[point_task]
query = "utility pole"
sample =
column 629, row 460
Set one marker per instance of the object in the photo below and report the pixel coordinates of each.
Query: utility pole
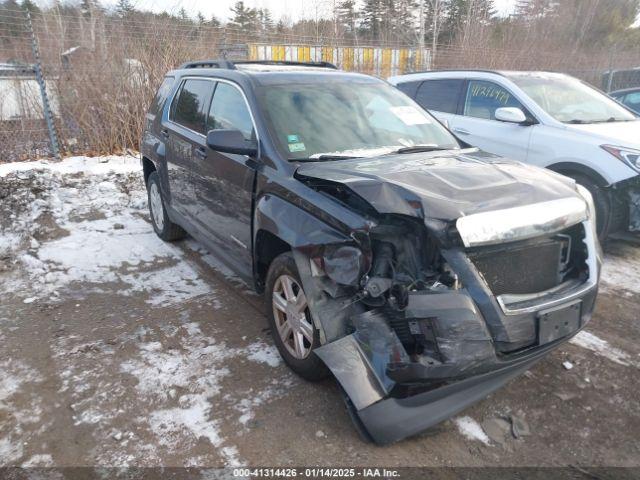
column 46, row 108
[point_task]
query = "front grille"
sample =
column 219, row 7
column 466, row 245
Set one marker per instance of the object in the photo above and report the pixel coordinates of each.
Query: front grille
column 528, row 267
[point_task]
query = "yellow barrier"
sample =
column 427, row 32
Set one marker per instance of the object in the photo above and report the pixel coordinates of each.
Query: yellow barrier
column 374, row 60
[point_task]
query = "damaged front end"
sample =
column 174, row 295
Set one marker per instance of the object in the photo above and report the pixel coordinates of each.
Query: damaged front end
column 421, row 317
column 626, row 206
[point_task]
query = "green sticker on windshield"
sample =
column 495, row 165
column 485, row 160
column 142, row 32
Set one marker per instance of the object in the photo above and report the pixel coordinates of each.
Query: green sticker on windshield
column 293, row 139
column 297, row 147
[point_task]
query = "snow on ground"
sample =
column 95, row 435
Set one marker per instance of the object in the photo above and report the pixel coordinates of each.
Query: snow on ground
column 601, row 347
column 100, row 233
column 14, row 376
column 80, row 227
column 621, row 269
column 261, row 352
column 74, row 165
column 471, row 429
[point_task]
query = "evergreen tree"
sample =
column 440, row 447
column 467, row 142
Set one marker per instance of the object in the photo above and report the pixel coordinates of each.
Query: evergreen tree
column 244, row 17
column 372, row 18
column 461, row 12
column 124, row 8
column 183, row 16
column 89, row 7
column 347, row 16
column 214, row 21
column 265, row 20
column 30, row 6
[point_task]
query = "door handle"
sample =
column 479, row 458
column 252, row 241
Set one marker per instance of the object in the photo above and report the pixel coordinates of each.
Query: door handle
column 201, row 153
column 164, row 132
column 461, row 131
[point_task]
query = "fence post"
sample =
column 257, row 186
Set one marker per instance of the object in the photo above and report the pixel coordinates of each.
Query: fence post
column 48, row 116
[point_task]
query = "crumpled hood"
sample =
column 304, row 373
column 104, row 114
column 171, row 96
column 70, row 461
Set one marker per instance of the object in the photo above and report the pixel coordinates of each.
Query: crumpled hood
column 442, row 185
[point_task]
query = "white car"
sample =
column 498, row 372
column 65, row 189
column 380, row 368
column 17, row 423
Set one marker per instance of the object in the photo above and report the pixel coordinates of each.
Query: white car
column 546, row 119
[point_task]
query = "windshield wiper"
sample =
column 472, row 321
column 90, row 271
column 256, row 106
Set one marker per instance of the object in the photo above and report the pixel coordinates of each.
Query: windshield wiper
column 324, row 158
column 577, row 121
column 608, row 120
column 420, row 148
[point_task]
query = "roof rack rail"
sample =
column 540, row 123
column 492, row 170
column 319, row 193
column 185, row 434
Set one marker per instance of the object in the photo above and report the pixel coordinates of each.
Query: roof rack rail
column 287, row 62
column 226, row 64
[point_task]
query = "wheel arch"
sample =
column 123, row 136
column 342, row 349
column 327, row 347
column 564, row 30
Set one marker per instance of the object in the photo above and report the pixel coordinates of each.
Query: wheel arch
column 281, row 226
column 268, row 246
column 570, row 169
column 148, row 167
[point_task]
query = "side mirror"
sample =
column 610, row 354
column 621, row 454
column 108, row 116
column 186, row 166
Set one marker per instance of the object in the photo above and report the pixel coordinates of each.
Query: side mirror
column 445, row 122
column 231, row 141
column 510, row 115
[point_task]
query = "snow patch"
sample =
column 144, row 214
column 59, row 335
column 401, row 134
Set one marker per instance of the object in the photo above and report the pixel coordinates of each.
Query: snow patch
column 622, row 269
column 601, row 347
column 71, row 165
column 9, row 242
column 39, row 460
column 94, row 234
column 263, row 353
column 13, row 375
column 471, row 429
column 10, row 452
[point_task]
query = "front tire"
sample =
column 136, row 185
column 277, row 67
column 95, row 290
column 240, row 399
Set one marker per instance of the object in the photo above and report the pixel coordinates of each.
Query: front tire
column 162, row 225
column 603, row 204
column 291, row 325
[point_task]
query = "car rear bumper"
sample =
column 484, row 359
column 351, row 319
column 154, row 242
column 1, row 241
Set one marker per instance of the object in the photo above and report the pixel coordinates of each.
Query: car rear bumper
column 393, row 419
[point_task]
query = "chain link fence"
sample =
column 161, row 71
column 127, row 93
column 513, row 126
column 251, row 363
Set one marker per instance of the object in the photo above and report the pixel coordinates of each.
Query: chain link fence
column 101, row 72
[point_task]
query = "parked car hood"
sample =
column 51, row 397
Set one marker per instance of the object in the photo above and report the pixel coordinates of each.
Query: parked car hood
column 442, row 185
column 622, row 134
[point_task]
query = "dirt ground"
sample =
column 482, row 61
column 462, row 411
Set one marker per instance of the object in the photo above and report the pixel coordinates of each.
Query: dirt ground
column 119, row 350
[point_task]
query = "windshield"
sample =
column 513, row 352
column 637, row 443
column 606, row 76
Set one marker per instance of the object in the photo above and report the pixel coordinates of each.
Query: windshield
column 569, row 100
column 339, row 119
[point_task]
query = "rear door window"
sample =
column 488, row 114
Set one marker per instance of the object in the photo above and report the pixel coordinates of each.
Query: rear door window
column 229, row 111
column 484, row 98
column 190, row 105
column 440, row 95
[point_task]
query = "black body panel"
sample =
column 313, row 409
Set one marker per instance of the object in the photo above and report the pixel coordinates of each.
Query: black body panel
column 470, row 345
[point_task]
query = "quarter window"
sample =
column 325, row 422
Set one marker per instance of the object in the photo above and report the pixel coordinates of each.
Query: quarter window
column 484, row 98
column 440, row 95
column 229, row 111
column 190, row 105
column 161, row 95
column 632, row 100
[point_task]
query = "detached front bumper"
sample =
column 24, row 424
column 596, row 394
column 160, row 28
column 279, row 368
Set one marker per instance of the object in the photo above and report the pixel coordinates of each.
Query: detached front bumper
column 393, row 419
column 373, row 368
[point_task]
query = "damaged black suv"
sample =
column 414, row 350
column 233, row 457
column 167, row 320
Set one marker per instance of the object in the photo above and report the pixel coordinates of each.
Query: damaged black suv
column 421, row 273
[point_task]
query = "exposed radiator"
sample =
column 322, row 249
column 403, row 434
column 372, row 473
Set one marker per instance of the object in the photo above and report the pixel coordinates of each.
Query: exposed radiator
column 524, row 268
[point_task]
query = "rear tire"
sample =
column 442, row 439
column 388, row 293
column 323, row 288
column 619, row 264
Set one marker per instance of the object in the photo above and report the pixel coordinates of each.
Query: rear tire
column 162, row 225
column 291, row 324
column 602, row 201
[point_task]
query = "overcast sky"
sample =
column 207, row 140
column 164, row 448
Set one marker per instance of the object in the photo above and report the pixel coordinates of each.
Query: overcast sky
column 295, row 9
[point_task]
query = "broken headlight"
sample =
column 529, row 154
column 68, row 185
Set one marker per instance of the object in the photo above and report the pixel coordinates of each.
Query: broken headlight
column 630, row 156
column 345, row 265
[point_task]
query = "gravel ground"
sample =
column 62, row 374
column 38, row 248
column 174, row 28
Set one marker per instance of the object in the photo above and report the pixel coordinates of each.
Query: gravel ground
column 117, row 349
